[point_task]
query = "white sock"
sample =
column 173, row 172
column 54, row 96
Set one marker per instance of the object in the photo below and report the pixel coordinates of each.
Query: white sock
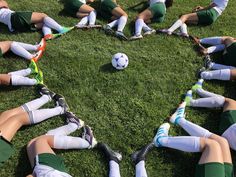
column 113, row 23
column 203, row 93
column 223, row 74
column 184, row 29
column 37, row 103
column 23, row 72
column 176, row 25
column 46, row 30
column 138, row 26
column 28, row 47
column 209, row 102
column 20, row 51
column 121, row 23
column 20, row 80
column 52, row 24
column 92, row 17
column 63, row 130
column 40, row 115
column 193, row 129
column 83, row 21
column 69, row 142
column 114, row 169
column 211, row 40
column 215, row 48
column 220, row 66
column 146, row 27
column 140, row 170
column 182, row 143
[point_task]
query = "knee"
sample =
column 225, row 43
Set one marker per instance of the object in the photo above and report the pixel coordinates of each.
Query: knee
column 125, row 14
column 43, row 15
column 13, row 44
column 183, row 18
column 30, row 143
column 212, row 144
column 229, row 101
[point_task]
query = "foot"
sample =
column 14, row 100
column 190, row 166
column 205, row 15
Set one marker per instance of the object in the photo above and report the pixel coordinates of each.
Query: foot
column 162, row 131
column 110, row 154
column 121, row 35
column 43, row 90
column 33, row 67
column 66, row 30
column 179, row 113
column 136, row 37
column 42, row 44
column 108, row 29
column 37, row 56
column 207, row 62
column 51, row 36
column 165, row 31
column 202, row 50
column 60, row 101
column 198, row 85
column 184, row 35
column 88, row 136
column 39, row 77
column 141, row 154
column 199, row 72
column 188, row 97
column 149, row 32
column 72, row 118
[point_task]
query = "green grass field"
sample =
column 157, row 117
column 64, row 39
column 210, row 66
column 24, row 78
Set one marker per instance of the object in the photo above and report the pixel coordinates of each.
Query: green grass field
column 124, row 108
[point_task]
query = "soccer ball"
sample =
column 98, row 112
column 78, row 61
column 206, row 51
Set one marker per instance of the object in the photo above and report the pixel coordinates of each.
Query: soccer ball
column 120, row 61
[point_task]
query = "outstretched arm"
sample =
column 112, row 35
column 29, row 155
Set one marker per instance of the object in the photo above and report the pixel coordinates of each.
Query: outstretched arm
column 199, row 8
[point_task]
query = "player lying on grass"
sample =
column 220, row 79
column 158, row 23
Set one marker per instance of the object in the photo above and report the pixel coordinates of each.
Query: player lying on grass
column 18, row 78
column 110, row 10
column 81, row 10
column 227, row 127
column 45, row 162
column 29, row 21
column 28, row 114
column 200, row 16
column 154, row 13
column 22, row 49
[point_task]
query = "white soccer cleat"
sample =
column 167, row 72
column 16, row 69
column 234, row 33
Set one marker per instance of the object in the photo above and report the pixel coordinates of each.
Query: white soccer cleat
column 149, row 32
column 179, row 113
column 162, row 131
column 136, row 37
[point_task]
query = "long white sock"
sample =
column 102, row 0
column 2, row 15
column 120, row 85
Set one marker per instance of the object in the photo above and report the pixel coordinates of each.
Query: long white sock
column 46, row 30
column 140, row 170
column 113, row 23
column 64, row 130
column 211, row 40
column 114, row 169
column 52, row 24
column 70, row 142
column 20, row 80
column 222, row 74
column 138, row 26
column 203, row 93
column 121, row 23
column 215, row 48
column 40, row 115
column 176, row 25
column 184, row 29
column 92, row 17
column 20, row 51
column 37, row 103
column 182, row 143
column 220, row 66
column 84, row 21
column 193, row 129
column 23, row 72
column 146, row 27
column 209, row 102
column 28, row 47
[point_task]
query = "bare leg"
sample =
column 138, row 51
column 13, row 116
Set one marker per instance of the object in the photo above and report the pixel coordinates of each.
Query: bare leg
column 190, row 18
column 118, row 12
column 9, row 113
column 146, row 15
column 5, row 79
column 227, row 40
column 37, row 18
column 5, row 46
column 230, row 104
column 84, row 10
column 233, row 74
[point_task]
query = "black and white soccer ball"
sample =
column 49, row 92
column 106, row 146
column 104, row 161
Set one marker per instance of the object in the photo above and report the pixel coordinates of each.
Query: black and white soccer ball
column 120, row 61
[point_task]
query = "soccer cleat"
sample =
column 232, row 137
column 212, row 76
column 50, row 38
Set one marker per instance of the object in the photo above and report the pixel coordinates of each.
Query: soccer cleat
column 207, row 62
column 88, row 136
column 179, row 113
column 199, row 72
column 51, row 36
column 198, row 85
column 184, row 35
column 202, row 50
column 33, row 67
column 136, row 37
column 110, row 154
column 42, row 44
column 66, row 30
column 94, row 26
column 108, row 29
column 121, row 35
column 43, row 90
column 165, row 31
column 141, row 154
column 72, row 118
column 188, row 97
column 149, row 32
column 162, row 131
column 60, row 101
column 37, row 56
column 39, row 77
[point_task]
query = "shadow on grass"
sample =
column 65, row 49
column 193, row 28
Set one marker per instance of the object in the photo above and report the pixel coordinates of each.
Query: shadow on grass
column 108, row 68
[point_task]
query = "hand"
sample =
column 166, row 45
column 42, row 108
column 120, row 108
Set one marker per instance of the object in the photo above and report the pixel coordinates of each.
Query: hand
column 197, row 8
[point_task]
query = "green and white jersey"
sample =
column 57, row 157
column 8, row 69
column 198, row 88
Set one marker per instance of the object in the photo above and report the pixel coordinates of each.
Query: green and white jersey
column 46, row 171
column 83, row 1
column 151, row 2
column 5, row 17
column 221, row 5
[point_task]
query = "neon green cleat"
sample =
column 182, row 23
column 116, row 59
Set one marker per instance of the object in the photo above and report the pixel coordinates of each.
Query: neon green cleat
column 33, row 67
column 39, row 78
column 66, row 30
column 198, row 85
column 188, row 97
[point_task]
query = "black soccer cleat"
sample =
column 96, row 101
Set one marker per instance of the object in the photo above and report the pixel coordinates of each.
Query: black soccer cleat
column 72, row 118
column 60, row 101
column 207, row 62
column 199, row 72
column 43, row 90
column 88, row 136
column 110, row 154
column 140, row 155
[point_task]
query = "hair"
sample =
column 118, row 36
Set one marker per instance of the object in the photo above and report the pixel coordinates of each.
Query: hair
column 168, row 3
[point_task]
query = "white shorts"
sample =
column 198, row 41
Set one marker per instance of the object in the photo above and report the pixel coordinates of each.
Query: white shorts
column 46, row 171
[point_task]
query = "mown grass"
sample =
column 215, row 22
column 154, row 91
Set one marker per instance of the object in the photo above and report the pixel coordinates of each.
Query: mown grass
column 124, row 108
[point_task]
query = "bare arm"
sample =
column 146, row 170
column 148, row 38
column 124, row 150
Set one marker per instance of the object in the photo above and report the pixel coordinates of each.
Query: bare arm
column 3, row 4
column 199, row 8
column 90, row 1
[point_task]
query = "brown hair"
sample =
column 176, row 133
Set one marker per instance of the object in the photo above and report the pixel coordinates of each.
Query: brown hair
column 168, row 3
